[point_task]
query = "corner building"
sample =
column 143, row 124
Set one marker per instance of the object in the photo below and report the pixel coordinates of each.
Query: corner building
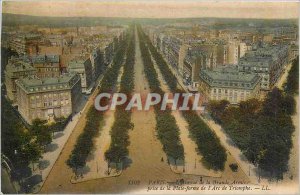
column 48, row 98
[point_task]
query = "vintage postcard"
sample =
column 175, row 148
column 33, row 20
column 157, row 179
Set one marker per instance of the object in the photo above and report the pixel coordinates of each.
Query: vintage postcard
column 149, row 97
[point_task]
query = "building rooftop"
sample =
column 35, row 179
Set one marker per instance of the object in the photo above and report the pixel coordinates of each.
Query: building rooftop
column 260, row 61
column 229, row 77
column 39, row 59
column 17, row 65
column 76, row 64
column 34, row 84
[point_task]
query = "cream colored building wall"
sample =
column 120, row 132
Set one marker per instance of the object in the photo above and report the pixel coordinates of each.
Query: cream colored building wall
column 233, row 95
column 44, row 105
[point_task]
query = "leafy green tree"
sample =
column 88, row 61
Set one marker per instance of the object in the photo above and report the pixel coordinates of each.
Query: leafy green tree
column 272, row 103
column 250, row 106
column 41, row 131
column 32, row 152
column 262, row 130
column 216, row 108
column 292, row 84
column 289, row 105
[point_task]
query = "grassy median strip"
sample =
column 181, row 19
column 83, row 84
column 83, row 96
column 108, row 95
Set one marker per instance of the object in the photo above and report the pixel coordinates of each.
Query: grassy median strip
column 118, row 149
column 214, row 154
column 168, row 131
column 94, row 118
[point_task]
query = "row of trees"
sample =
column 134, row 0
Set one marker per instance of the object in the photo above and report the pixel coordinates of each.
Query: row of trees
column 23, row 145
column 292, row 83
column 261, row 129
column 214, row 155
column 119, row 133
column 17, row 142
column 168, row 131
column 94, row 118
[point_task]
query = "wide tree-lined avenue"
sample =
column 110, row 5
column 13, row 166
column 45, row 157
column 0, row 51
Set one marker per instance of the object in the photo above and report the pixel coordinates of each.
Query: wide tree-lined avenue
column 146, row 160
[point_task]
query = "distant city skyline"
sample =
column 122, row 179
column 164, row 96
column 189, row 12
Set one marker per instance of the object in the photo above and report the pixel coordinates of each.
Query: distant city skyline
column 154, row 9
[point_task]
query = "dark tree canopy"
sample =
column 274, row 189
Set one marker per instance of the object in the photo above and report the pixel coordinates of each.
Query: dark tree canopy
column 262, row 130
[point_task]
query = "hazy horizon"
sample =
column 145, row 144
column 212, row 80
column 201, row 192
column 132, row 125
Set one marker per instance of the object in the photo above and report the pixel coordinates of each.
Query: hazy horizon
column 155, row 9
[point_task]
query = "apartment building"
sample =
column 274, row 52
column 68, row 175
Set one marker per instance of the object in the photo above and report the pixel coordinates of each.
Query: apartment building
column 48, row 98
column 197, row 58
column 25, row 44
column 97, row 62
column 15, row 69
column 84, row 68
column 227, row 83
column 46, row 65
column 267, row 61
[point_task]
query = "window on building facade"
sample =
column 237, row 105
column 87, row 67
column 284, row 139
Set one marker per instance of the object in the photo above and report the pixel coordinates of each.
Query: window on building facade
column 32, row 105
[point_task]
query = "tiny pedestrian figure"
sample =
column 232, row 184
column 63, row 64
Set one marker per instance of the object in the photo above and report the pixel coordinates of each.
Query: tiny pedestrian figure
column 162, row 159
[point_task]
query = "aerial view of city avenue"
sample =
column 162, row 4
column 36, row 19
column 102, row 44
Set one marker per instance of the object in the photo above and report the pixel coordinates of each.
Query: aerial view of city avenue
column 149, row 97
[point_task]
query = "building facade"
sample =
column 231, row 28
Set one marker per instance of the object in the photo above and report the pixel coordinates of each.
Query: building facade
column 46, row 65
column 266, row 61
column 85, row 70
column 15, row 69
column 25, row 44
column 48, row 98
column 229, row 84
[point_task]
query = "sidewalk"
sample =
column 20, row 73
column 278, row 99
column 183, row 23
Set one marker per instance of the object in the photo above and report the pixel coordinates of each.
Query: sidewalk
column 279, row 83
column 54, row 150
